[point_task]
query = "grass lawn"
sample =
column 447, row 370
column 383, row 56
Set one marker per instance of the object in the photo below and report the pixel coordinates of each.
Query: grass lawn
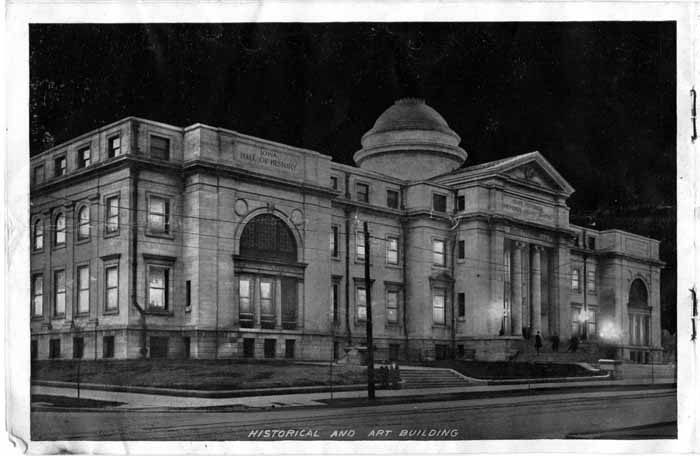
column 211, row 375
column 62, row 401
column 512, row 370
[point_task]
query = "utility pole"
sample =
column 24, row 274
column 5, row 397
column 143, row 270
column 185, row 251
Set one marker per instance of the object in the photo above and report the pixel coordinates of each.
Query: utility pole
column 368, row 296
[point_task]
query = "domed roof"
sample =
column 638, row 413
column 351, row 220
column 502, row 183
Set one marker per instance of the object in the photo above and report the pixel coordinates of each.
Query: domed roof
column 410, row 114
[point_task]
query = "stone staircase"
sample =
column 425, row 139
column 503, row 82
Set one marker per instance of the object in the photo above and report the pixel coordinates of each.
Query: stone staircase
column 432, row 378
column 586, row 353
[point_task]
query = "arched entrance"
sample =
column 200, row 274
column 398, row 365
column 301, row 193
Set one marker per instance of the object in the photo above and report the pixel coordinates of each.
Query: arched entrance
column 639, row 314
column 268, row 275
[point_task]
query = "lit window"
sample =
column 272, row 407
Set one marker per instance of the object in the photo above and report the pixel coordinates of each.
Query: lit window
column 362, row 193
column 38, row 235
column 112, row 215
column 360, row 245
column 60, row 230
column 392, row 250
column 334, row 241
column 160, row 148
column 59, row 292
column 439, row 252
column 392, row 306
column 439, row 203
column 115, row 147
column 83, row 289
column 361, row 303
column 84, row 157
column 112, row 288
column 60, row 166
column 84, row 223
column 158, row 215
column 267, row 309
column 158, row 287
column 575, row 280
column 392, row 199
column 591, row 285
column 245, row 309
column 37, row 295
column 439, row 305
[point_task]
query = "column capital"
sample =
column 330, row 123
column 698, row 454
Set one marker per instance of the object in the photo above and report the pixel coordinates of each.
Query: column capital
column 537, row 248
column 519, row 245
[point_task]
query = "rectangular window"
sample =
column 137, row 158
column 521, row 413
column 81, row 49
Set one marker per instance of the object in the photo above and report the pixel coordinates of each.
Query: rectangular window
column 108, row 346
column 334, row 241
column 270, row 348
column 186, row 345
column 360, row 245
column 60, row 230
column 35, row 349
column 290, row 302
column 37, row 295
column 438, row 252
column 576, row 321
column 159, row 215
column 38, row 234
column 392, row 250
column 188, row 294
column 245, row 309
column 115, row 147
column 461, row 305
column 334, row 303
column 158, row 281
column 592, row 321
column 392, row 306
column 84, row 223
column 392, row 199
column 439, row 306
column 59, row 293
column 575, row 280
column 460, row 250
column 460, row 203
column 112, row 214
column 60, row 166
column 361, row 303
column 160, row 148
column 591, row 243
column 38, row 174
column 439, row 203
column 78, row 347
column 83, row 274
column 334, row 182
column 362, row 192
column 267, row 307
column 248, row 347
column 54, row 348
column 84, row 157
column 111, row 288
column 289, row 348
column 591, row 287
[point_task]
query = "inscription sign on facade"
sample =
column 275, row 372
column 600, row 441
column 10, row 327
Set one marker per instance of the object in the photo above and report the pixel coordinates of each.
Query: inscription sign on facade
column 527, row 210
column 267, row 159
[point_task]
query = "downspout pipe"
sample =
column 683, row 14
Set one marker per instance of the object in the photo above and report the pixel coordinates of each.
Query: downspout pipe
column 347, row 261
column 133, row 229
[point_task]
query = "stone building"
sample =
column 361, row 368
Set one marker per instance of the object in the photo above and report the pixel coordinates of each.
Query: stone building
column 154, row 240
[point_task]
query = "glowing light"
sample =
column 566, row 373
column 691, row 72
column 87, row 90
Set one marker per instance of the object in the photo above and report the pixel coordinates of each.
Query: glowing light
column 609, row 330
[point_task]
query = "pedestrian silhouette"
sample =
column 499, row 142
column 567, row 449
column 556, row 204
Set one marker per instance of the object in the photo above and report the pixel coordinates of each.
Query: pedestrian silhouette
column 555, row 343
column 538, row 342
column 573, row 344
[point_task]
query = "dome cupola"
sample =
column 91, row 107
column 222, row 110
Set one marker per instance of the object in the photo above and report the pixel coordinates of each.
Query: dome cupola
column 410, row 141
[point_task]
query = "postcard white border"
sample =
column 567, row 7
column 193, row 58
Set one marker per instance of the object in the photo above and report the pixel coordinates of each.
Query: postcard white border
column 15, row 173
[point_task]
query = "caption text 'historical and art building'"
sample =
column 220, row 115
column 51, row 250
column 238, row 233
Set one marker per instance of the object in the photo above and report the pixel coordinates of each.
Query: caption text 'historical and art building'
column 159, row 241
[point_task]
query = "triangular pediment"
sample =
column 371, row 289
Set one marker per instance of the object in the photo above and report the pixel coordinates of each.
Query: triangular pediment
column 533, row 174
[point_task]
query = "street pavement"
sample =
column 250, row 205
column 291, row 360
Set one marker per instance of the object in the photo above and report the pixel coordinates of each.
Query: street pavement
column 140, row 401
column 527, row 416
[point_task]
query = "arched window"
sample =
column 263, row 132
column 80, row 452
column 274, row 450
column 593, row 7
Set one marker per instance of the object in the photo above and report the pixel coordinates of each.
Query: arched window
column 266, row 237
column 84, row 223
column 638, row 295
column 38, row 235
column 60, row 230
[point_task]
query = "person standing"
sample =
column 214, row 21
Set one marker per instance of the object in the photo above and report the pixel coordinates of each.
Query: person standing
column 538, row 342
column 555, row 343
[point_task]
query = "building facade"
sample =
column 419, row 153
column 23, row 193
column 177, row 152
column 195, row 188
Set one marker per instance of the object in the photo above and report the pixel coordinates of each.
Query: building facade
column 150, row 240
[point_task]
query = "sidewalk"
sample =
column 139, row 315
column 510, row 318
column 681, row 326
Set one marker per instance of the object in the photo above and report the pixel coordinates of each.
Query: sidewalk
column 142, row 401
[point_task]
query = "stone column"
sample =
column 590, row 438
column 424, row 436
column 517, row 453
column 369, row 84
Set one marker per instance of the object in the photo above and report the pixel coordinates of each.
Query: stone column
column 278, row 302
column 256, row 302
column 536, row 284
column 517, row 294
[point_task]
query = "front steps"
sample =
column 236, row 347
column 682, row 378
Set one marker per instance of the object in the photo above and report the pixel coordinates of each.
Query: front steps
column 432, row 378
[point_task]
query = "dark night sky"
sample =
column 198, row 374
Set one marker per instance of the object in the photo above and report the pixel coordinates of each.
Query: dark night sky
column 598, row 100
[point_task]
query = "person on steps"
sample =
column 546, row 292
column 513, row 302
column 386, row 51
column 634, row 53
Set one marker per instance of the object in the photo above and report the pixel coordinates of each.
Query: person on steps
column 538, row 342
